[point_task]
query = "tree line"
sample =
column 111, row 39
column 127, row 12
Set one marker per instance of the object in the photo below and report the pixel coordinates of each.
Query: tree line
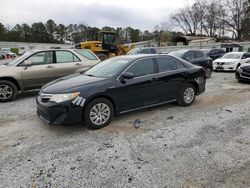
column 215, row 19
column 50, row 32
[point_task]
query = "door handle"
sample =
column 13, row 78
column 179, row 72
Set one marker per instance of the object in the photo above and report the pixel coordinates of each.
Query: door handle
column 50, row 67
column 154, row 79
column 78, row 64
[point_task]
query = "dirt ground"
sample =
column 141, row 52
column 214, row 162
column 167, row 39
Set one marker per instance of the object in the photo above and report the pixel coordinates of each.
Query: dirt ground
column 205, row 145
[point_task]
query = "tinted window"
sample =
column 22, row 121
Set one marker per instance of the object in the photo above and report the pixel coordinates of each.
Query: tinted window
column 180, row 65
column 108, row 68
column 198, row 54
column 42, row 58
column 213, row 52
column 246, row 55
column 142, row 67
column 152, row 51
column 166, row 64
column 86, row 54
column 145, row 51
column 65, row 57
column 189, row 55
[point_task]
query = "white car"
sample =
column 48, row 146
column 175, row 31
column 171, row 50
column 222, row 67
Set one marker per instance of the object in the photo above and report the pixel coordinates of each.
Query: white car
column 231, row 61
column 8, row 53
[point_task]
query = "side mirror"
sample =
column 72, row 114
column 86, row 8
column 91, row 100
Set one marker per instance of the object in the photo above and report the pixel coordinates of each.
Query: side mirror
column 127, row 76
column 27, row 63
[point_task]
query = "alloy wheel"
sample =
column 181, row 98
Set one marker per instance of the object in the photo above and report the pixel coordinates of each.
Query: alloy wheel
column 6, row 92
column 189, row 95
column 99, row 114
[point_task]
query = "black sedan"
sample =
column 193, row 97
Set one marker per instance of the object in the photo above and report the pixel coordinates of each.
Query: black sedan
column 196, row 57
column 214, row 53
column 243, row 73
column 119, row 85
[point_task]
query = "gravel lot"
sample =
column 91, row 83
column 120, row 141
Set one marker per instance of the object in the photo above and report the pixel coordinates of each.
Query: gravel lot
column 205, row 145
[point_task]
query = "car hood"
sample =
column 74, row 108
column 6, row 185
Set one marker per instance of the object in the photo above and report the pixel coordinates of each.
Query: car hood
column 69, row 83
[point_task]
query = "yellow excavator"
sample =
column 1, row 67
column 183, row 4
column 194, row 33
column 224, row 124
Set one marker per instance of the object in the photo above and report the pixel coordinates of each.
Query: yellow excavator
column 106, row 46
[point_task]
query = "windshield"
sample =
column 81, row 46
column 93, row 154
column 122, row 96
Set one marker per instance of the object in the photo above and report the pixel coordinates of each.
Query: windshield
column 177, row 53
column 134, row 51
column 109, row 38
column 232, row 56
column 19, row 59
column 107, row 68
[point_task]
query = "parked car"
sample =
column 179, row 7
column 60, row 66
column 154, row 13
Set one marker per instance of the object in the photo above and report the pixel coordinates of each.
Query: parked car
column 231, row 61
column 8, row 53
column 243, row 73
column 2, row 55
column 119, row 85
column 36, row 68
column 135, row 51
column 196, row 57
column 214, row 53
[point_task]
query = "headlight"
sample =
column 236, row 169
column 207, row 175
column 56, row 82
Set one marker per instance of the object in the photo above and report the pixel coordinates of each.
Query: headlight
column 63, row 97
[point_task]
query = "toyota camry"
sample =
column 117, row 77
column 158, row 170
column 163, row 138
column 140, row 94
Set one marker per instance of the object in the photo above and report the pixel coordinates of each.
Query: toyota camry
column 119, row 85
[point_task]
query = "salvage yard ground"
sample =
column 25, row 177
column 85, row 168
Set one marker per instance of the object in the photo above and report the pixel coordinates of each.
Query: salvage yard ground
column 205, row 145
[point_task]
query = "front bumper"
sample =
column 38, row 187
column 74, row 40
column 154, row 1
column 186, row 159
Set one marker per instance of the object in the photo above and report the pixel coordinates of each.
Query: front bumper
column 225, row 67
column 243, row 76
column 55, row 114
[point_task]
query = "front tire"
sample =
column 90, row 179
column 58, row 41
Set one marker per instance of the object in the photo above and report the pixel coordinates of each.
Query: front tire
column 98, row 113
column 187, row 95
column 8, row 91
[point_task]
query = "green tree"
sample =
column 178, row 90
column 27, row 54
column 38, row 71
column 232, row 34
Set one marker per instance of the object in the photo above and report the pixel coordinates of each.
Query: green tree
column 61, row 33
column 51, row 30
column 38, row 33
column 2, row 31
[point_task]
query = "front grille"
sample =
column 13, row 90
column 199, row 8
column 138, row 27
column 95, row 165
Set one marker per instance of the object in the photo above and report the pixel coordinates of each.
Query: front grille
column 246, row 69
column 220, row 63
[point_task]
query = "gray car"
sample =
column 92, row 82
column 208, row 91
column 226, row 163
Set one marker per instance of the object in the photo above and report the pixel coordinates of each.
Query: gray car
column 36, row 68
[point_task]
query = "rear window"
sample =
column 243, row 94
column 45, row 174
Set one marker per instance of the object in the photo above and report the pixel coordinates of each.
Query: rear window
column 86, row 54
column 166, row 64
column 199, row 54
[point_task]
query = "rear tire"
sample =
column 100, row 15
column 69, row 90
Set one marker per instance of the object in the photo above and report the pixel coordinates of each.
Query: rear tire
column 98, row 113
column 8, row 91
column 208, row 72
column 187, row 95
column 102, row 56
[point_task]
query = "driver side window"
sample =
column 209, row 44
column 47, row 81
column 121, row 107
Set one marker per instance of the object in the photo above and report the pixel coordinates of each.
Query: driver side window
column 245, row 56
column 41, row 58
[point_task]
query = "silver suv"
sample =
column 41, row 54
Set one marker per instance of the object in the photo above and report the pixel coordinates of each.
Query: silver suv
column 36, row 68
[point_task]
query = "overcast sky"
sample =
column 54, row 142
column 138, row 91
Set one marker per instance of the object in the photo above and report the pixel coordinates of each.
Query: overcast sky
column 141, row 14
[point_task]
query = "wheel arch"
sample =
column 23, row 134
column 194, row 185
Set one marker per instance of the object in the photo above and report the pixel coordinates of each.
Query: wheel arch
column 101, row 96
column 195, row 84
column 13, row 80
